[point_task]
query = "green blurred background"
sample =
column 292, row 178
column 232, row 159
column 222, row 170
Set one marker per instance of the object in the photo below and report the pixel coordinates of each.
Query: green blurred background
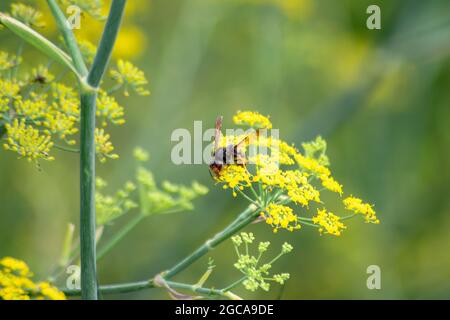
column 381, row 98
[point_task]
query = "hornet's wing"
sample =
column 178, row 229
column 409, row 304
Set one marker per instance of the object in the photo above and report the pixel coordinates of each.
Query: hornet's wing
column 218, row 134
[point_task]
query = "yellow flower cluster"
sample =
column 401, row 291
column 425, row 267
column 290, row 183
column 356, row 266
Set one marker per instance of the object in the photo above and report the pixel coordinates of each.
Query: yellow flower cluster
column 331, row 184
column 16, row 283
column 28, row 15
column 8, row 89
column 55, row 114
column 47, row 108
column 103, row 147
column 27, row 141
column 279, row 216
column 235, row 176
column 276, row 174
column 252, row 119
column 358, row 206
column 328, row 222
column 312, row 165
column 109, row 110
column 130, row 76
column 8, row 61
column 32, row 109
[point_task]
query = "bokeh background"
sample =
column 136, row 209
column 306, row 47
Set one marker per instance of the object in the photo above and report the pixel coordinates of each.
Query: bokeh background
column 381, row 98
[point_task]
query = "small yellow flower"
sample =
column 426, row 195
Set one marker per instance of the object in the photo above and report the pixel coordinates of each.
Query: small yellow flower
column 109, row 109
column 356, row 205
column 312, row 165
column 303, row 195
column 130, row 76
column 50, row 292
column 9, row 89
column 331, row 184
column 4, row 106
column 16, row 283
column 328, row 222
column 28, row 15
column 32, row 108
column 252, row 119
column 10, row 264
column 65, row 99
column 233, row 176
column 13, row 293
column 8, row 61
column 61, row 124
column 27, row 141
column 103, row 146
column 279, row 216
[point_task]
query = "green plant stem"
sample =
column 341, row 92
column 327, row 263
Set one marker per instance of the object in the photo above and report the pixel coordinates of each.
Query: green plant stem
column 106, row 46
column 112, row 242
column 234, row 284
column 67, row 149
column 87, row 200
column 244, row 219
column 38, row 41
column 87, row 153
column 19, row 52
column 69, row 38
column 246, row 196
column 196, row 289
column 348, row 216
column 243, row 215
column 117, row 288
column 119, row 236
column 140, row 285
column 87, row 162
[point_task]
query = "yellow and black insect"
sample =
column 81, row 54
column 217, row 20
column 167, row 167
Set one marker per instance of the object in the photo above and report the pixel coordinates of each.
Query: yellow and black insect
column 229, row 155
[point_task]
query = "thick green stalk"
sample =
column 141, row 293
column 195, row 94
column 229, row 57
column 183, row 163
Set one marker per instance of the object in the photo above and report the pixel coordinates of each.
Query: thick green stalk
column 106, row 46
column 140, row 285
column 87, row 200
column 87, row 161
column 87, row 153
column 244, row 219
